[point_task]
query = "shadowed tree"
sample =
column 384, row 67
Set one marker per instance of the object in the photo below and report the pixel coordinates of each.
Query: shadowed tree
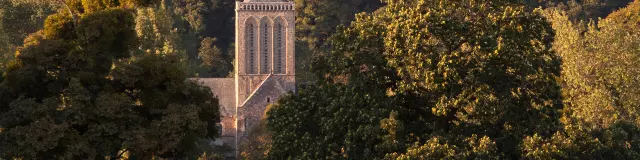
column 214, row 62
column 75, row 92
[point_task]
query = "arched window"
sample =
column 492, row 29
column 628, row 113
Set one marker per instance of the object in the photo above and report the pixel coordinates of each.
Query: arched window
column 265, row 55
column 279, row 47
column 250, row 49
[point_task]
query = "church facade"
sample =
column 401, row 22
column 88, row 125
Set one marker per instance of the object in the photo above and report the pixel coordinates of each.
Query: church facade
column 264, row 67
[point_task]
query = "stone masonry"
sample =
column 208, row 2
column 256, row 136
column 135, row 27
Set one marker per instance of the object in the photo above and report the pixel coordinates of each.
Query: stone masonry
column 264, row 70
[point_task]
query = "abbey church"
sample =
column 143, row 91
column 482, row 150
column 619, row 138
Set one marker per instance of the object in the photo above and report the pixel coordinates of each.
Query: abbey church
column 264, row 65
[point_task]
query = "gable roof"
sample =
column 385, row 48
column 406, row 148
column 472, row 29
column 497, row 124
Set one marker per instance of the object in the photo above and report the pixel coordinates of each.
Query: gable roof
column 269, row 81
column 224, row 89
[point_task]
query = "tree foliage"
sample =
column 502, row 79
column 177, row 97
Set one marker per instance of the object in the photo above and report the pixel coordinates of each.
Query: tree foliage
column 214, row 62
column 582, row 10
column 75, row 92
column 23, row 17
column 19, row 18
column 317, row 19
column 156, row 32
column 599, row 78
column 6, row 49
column 199, row 22
column 467, row 79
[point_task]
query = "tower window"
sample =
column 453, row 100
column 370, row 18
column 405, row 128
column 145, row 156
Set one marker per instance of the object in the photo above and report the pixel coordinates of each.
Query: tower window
column 250, row 48
column 265, row 64
column 279, row 47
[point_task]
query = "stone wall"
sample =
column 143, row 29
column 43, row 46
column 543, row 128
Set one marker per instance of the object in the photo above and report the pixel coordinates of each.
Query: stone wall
column 224, row 90
column 256, row 90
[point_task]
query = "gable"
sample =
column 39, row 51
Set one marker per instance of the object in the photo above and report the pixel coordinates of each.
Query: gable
column 269, row 88
column 253, row 109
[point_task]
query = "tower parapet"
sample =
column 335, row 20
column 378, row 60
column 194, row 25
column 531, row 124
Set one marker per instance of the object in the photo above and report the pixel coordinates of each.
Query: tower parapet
column 265, row 6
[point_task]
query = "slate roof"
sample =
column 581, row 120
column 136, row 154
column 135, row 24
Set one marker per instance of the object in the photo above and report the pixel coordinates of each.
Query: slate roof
column 269, row 81
column 224, row 89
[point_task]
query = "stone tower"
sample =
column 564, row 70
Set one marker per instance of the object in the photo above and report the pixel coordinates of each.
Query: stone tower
column 265, row 58
column 264, row 68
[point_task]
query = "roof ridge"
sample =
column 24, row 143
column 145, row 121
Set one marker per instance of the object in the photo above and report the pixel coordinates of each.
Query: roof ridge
column 257, row 89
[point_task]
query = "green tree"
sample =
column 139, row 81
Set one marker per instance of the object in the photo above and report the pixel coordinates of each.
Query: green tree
column 154, row 26
column 337, row 116
column 213, row 62
column 198, row 20
column 600, row 89
column 6, row 48
column 19, row 18
column 582, row 10
column 75, row 92
column 23, row 17
column 470, row 77
column 189, row 23
column 317, row 19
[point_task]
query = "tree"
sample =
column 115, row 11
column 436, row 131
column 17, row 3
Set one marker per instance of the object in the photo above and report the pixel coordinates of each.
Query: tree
column 18, row 18
column 6, row 49
column 317, row 19
column 582, row 10
column 154, row 26
column 338, row 116
column 471, row 77
column 345, row 124
column 23, row 17
column 461, row 61
column 598, row 77
column 197, row 20
column 74, row 91
column 214, row 62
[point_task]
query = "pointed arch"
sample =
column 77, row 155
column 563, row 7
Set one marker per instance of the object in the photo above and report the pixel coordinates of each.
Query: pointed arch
column 251, row 45
column 279, row 45
column 265, row 45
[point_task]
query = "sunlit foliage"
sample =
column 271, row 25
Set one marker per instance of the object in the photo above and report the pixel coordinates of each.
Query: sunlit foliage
column 600, row 77
column 156, row 33
column 467, row 78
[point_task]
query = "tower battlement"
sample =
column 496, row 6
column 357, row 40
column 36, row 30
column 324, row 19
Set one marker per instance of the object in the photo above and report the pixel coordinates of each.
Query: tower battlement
column 265, row 6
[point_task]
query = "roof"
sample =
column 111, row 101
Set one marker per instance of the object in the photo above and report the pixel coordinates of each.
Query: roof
column 269, row 81
column 224, row 89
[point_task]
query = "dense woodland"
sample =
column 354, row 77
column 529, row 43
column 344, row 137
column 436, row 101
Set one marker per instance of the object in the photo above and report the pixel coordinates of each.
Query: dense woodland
column 379, row 79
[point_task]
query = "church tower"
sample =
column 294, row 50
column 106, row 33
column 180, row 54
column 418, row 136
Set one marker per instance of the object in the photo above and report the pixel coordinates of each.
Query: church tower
column 265, row 58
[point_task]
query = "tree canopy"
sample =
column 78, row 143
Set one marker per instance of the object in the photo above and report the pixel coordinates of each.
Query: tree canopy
column 599, row 84
column 468, row 79
column 381, row 79
column 450, row 79
column 75, row 91
column 317, row 19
